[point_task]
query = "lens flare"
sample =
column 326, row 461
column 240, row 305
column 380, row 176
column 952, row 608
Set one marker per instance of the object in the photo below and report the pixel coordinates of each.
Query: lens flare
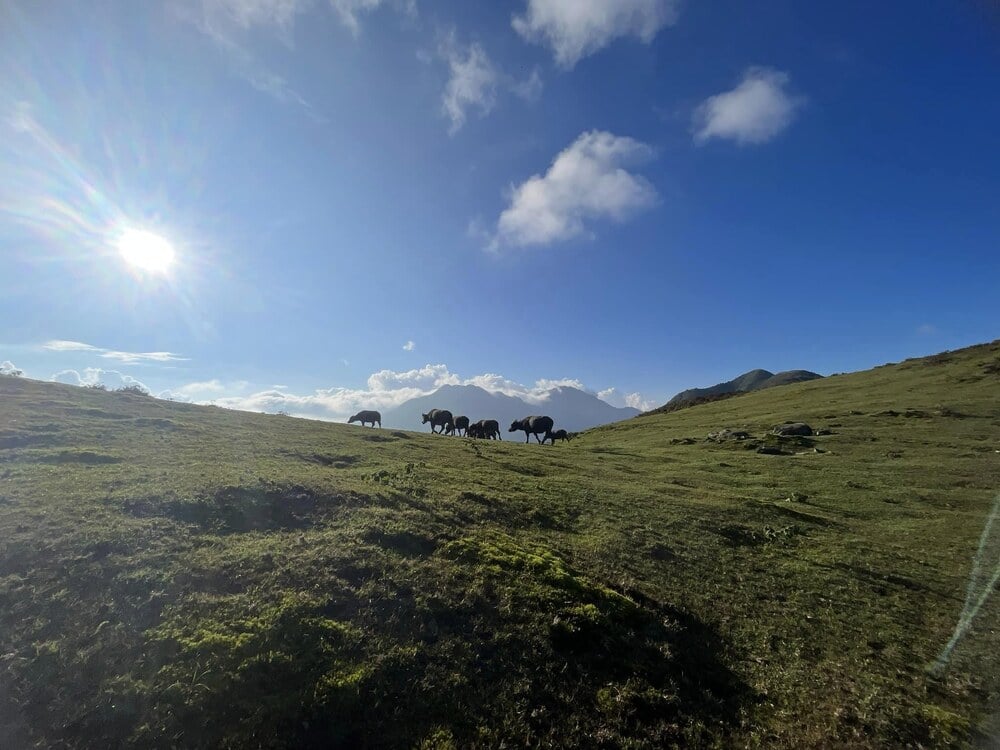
column 146, row 251
column 982, row 581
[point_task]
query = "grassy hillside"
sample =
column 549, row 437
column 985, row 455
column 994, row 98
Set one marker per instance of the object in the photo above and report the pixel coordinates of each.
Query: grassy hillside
column 182, row 576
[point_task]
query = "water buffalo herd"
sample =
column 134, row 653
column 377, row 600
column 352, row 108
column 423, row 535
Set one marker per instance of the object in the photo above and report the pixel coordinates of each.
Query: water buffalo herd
column 442, row 422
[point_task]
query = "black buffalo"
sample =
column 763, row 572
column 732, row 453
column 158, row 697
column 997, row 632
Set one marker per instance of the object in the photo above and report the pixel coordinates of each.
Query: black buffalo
column 557, row 435
column 439, row 418
column 488, row 429
column 461, row 426
column 365, row 417
column 532, row 426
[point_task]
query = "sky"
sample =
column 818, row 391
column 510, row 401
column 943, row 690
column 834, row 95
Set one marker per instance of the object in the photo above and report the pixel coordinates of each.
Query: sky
column 318, row 206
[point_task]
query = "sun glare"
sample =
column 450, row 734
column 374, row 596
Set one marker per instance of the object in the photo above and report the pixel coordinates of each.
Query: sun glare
column 146, row 251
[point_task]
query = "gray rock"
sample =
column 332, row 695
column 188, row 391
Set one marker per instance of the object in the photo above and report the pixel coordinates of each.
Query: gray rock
column 728, row 434
column 770, row 450
column 793, row 428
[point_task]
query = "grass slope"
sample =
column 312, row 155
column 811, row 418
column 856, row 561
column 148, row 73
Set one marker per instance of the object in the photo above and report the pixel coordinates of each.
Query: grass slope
column 183, row 576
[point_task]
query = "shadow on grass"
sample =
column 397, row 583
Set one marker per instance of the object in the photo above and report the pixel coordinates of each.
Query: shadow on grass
column 482, row 642
column 232, row 510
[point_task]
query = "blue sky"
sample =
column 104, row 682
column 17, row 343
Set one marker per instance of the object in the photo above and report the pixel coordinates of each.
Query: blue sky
column 369, row 198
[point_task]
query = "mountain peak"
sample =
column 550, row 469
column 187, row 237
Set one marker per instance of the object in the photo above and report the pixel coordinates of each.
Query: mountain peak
column 753, row 380
column 572, row 408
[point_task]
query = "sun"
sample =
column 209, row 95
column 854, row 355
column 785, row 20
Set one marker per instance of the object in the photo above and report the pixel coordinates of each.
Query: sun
column 146, row 251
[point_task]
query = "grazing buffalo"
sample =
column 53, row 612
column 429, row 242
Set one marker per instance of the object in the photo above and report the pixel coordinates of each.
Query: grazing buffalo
column 557, row 435
column 488, row 429
column 440, row 418
column 365, row 417
column 532, row 426
column 461, row 426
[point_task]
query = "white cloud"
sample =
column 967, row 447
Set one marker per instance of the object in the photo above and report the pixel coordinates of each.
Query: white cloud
column 755, row 111
column 203, row 388
column 60, row 345
column 472, row 83
column 110, row 379
column 546, row 385
column 586, row 181
column 127, row 358
column 534, row 394
column 331, row 404
column 409, row 346
column 636, row 400
column 9, row 368
column 201, row 391
column 475, row 81
column 131, row 358
column 575, row 29
column 426, row 378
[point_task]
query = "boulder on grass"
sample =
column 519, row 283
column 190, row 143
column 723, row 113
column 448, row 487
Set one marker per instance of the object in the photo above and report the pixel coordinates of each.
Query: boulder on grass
column 793, row 428
column 728, row 434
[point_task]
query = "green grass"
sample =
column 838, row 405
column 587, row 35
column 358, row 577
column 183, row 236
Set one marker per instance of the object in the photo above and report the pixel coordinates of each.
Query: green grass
column 183, row 576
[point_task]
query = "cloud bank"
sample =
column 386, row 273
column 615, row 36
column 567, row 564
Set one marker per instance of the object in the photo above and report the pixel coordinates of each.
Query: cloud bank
column 390, row 388
column 110, row 379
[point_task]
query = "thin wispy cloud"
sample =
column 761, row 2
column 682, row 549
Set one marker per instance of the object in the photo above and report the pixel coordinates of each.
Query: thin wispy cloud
column 351, row 11
column 475, row 81
column 757, row 110
column 281, row 15
column 586, row 182
column 225, row 22
column 62, row 345
column 202, row 387
column 247, row 13
column 409, row 346
column 574, row 29
column 128, row 358
column 472, row 81
column 530, row 88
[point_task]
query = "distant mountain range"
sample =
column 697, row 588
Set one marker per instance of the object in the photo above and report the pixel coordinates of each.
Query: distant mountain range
column 570, row 408
column 754, row 380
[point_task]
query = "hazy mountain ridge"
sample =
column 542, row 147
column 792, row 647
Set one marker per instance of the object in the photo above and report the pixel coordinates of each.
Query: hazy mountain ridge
column 754, row 380
column 571, row 408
